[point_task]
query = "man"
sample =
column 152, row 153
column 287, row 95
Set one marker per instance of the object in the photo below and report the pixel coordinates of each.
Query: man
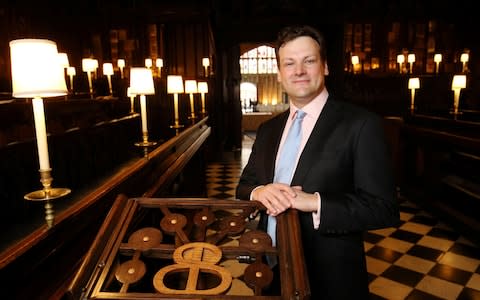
column 342, row 182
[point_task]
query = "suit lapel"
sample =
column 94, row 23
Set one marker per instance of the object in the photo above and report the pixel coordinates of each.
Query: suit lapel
column 323, row 127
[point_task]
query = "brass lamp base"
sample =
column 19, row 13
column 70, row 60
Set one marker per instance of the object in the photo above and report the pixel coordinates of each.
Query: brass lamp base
column 42, row 195
column 47, row 194
column 145, row 144
column 177, row 126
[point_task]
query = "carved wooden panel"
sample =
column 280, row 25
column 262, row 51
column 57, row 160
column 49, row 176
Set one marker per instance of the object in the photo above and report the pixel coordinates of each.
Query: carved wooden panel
column 190, row 248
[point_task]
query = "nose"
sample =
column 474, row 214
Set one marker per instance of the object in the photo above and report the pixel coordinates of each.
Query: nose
column 299, row 69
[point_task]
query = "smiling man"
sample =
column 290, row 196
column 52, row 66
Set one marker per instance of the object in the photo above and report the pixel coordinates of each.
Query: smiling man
column 329, row 160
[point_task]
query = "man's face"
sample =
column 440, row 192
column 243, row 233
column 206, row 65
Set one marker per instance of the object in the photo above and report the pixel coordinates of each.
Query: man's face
column 301, row 70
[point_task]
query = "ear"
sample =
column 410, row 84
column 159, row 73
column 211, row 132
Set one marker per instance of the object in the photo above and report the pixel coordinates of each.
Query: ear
column 325, row 72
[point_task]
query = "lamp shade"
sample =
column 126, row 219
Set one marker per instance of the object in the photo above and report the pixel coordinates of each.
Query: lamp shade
column 191, row 86
column 121, row 63
column 36, row 69
column 203, row 87
column 400, row 58
column 141, row 81
column 459, row 82
column 414, row 83
column 437, row 58
column 174, row 84
column 355, row 60
column 129, row 92
column 159, row 62
column 71, row 71
column 88, row 65
column 411, row 58
column 63, row 60
column 205, row 62
column 148, row 62
column 464, row 57
column 107, row 69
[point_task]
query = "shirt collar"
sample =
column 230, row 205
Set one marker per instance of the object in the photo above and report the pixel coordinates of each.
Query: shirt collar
column 314, row 108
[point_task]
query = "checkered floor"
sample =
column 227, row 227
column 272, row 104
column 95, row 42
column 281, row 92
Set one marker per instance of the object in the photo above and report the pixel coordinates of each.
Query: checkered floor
column 423, row 258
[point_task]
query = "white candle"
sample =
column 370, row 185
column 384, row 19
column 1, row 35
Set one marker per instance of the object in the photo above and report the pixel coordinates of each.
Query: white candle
column 175, row 107
column 143, row 111
column 41, row 133
column 203, row 103
column 192, row 107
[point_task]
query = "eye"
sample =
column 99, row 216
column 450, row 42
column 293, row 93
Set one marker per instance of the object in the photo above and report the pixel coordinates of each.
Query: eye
column 310, row 61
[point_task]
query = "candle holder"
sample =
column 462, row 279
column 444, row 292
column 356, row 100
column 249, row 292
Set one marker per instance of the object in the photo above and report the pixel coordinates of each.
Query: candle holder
column 121, row 65
column 108, row 71
column 206, row 64
column 459, row 82
column 175, row 86
column 47, row 194
column 203, row 89
column 413, row 84
column 36, row 73
column 191, row 88
column 141, row 83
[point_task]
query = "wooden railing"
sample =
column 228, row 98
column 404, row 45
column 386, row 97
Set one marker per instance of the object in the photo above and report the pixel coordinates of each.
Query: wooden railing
column 40, row 265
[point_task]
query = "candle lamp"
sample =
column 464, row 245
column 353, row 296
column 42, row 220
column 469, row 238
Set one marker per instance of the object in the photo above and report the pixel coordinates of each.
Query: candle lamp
column 108, row 71
column 159, row 64
column 121, row 65
column 355, row 63
column 459, row 82
column 71, row 71
column 464, row 59
column 206, row 64
column 203, row 89
column 132, row 100
column 437, row 58
column 175, row 86
column 411, row 60
column 88, row 66
column 191, row 88
column 413, row 84
column 400, row 61
column 37, row 73
column 141, row 83
column 148, row 63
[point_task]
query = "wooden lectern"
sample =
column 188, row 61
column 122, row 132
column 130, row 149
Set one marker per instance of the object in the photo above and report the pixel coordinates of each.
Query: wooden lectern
column 190, row 248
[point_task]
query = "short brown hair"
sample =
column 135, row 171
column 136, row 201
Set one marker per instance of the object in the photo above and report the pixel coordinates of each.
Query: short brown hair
column 290, row 33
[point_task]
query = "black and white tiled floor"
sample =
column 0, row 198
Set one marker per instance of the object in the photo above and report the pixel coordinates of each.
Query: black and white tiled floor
column 423, row 258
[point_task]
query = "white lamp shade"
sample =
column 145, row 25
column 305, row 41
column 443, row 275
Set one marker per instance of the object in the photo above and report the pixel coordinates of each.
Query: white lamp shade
column 148, row 62
column 107, row 69
column 129, row 92
column 355, row 60
column 414, row 83
column 88, row 65
column 159, row 62
column 36, row 69
column 191, row 86
column 459, row 82
column 205, row 62
column 141, row 81
column 121, row 63
column 203, row 87
column 174, row 84
column 400, row 58
column 95, row 64
column 63, row 60
column 411, row 58
column 71, row 71
column 464, row 57
column 437, row 58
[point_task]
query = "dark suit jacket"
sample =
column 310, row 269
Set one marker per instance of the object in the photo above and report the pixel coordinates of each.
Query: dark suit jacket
column 347, row 161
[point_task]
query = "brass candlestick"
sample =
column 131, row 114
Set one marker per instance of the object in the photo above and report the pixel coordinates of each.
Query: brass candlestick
column 145, row 143
column 47, row 194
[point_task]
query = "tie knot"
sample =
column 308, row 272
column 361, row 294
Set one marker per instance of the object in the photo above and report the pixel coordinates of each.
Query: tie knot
column 300, row 114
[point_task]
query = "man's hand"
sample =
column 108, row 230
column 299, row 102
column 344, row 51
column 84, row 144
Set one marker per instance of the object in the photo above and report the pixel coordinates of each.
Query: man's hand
column 276, row 197
column 304, row 201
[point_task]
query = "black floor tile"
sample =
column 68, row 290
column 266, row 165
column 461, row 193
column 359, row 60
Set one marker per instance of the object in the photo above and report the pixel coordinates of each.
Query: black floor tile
column 406, row 236
column 424, row 252
column 444, row 234
column 384, row 254
column 469, row 294
column 450, row 274
column 402, row 275
column 419, row 295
